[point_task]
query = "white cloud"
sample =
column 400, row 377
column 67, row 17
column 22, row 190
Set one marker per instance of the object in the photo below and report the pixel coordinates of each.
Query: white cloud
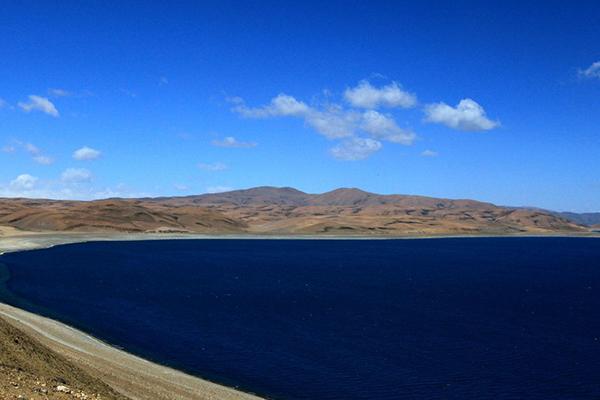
column 76, row 175
column 181, row 187
column 355, row 149
column 44, row 160
column 218, row 166
column 430, row 153
column 86, row 153
column 364, row 95
column 56, row 92
column 593, row 71
column 230, row 141
column 466, row 116
column 8, row 149
column 3, row 103
column 384, row 127
column 280, row 106
column 335, row 121
column 332, row 121
column 23, row 182
column 218, row 189
column 38, row 103
column 31, row 148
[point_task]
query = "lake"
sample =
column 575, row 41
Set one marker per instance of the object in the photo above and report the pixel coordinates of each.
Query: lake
column 465, row 318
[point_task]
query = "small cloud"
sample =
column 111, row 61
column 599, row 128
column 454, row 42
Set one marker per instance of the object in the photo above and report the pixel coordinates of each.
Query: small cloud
column 354, row 149
column 38, row 103
column 468, row 115
column 163, row 81
column 86, row 153
column 218, row 166
column 429, row 153
column 31, row 148
column 181, row 187
column 76, row 175
column 23, row 182
column 218, row 189
column 44, row 160
column 3, row 103
column 8, row 149
column 364, row 95
column 59, row 92
column 593, row 71
column 282, row 105
column 230, row 141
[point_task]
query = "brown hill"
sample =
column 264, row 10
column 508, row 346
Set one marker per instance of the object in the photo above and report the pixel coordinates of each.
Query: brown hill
column 269, row 210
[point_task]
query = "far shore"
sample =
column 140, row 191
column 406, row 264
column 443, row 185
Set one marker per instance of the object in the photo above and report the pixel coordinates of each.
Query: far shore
column 15, row 240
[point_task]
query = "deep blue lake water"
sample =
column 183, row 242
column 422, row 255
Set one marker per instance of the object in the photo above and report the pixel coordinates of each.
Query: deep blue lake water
column 501, row 318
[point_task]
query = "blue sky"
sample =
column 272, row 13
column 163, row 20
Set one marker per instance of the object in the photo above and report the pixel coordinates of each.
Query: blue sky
column 496, row 102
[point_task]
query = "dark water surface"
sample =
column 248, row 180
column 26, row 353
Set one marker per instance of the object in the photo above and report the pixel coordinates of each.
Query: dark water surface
column 501, row 318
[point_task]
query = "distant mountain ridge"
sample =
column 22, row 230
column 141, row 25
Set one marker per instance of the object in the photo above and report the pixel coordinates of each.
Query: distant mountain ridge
column 284, row 211
column 588, row 219
column 337, row 197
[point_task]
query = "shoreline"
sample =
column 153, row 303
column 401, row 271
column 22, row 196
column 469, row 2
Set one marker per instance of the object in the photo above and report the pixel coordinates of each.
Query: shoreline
column 25, row 240
column 128, row 374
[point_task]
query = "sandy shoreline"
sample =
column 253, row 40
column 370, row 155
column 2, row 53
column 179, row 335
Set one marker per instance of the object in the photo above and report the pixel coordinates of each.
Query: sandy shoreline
column 15, row 240
column 130, row 375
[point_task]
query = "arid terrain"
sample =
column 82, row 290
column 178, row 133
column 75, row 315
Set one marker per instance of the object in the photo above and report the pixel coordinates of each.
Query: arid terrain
column 30, row 370
column 283, row 211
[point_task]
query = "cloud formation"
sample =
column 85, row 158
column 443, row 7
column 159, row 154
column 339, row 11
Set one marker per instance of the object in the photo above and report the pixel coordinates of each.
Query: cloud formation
column 280, row 106
column 76, row 175
column 335, row 122
column 593, row 71
column 86, row 153
column 23, row 182
column 44, row 160
column 364, row 95
column 218, row 166
column 468, row 115
column 429, row 153
column 38, row 103
column 354, row 149
column 56, row 92
column 232, row 142
column 384, row 127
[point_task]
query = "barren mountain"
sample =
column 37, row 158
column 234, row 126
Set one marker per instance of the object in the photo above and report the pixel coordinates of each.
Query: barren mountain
column 270, row 210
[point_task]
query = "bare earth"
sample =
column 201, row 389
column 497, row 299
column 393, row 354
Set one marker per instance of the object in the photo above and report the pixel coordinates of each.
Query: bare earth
column 284, row 211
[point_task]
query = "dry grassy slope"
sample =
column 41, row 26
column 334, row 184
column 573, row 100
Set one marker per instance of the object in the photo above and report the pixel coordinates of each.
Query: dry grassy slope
column 32, row 371
column 268, row 210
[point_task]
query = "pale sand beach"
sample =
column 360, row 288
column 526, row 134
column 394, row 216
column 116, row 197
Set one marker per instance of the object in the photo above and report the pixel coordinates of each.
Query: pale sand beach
column 130, row 375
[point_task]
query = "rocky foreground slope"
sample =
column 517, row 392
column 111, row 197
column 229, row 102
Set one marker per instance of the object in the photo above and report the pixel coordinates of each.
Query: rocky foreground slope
column 284, row 211
column 29, row 370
